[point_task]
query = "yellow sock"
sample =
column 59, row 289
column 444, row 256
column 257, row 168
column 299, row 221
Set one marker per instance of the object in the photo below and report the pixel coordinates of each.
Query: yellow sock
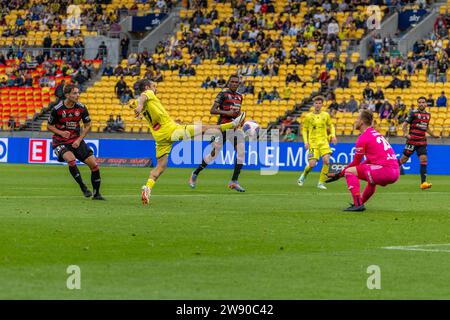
column 150, row 183
column 324, row 173
column 226, row 126
column 307, row 170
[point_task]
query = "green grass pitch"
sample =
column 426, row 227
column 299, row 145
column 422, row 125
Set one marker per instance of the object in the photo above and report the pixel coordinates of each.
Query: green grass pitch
column 276, row 241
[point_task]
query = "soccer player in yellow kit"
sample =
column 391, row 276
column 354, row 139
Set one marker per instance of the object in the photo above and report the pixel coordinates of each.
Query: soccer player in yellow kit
column 166, row 131
column 316, row 139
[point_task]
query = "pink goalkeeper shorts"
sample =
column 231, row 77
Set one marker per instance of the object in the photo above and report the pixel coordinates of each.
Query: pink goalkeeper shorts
column 376, row 174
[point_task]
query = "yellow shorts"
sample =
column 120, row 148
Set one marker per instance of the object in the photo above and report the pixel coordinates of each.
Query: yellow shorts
column 318, row 151
column 167, row 135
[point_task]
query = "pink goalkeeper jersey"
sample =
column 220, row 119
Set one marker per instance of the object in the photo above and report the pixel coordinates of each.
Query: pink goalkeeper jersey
column 376, row 148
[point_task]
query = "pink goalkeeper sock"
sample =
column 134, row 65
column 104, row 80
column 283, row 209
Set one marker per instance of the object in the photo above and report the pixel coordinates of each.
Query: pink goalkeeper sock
column 354, row 188
column 368, row 192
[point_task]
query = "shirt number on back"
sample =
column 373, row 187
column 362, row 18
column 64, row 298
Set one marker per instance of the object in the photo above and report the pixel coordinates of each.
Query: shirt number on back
column 381, row 139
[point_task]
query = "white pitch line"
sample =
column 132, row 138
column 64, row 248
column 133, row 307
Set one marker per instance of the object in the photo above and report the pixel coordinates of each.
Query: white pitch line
column 300, row 193
column 420, row 247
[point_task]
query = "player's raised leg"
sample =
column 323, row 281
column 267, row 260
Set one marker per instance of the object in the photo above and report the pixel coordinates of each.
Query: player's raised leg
column 95, row 177
column 69, row 157
column 161, row 166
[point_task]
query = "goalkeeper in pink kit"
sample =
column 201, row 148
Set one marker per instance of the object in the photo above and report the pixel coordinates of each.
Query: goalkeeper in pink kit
column 380, row 167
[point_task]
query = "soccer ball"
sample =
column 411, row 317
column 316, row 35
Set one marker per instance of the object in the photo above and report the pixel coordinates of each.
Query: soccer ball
column 251, row 128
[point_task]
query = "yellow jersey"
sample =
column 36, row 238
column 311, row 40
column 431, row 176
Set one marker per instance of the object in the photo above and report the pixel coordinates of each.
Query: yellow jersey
column 315, row 127
column 155, row 114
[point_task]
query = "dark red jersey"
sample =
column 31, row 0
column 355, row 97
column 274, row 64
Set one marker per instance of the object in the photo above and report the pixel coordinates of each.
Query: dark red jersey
column 418, row 125
column 68, row 119
column 228, row 100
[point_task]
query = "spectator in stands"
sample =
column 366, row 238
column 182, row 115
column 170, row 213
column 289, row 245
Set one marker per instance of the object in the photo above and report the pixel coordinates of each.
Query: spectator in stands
column 124, row 46
column 406, row 83
column 343, row 106
column 59, row 91
column 442, row 67
column 333, row 108
column 361, row 76
column 368, row 92
column 158, row 77
column 343, row 81
column 352, row 104
column 2, row 60
column 109, row 70
column 287, row 93
column 274, row 95
column 441, row 101
column 379, row 94
column 205, row 84
column 221, row 82
column 431, row 71
column 395, row 83
column 262, row 95
column 120, row 87
column 386, row 110
column 430, row 101
column 440, row 27
column 250, row 89
column 126, row 96
column 11, row 123
column 119, row 124
column 110, row 124
column 102, row 51
column 289, row 135
column 292, row 77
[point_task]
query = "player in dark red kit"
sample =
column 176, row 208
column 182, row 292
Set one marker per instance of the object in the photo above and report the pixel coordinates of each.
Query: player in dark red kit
column 416, row 140
column 68, row 143
column 228, row 106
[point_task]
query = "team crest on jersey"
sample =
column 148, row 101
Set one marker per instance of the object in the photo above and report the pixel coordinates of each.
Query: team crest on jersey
column 63, row 114
column 77, row 113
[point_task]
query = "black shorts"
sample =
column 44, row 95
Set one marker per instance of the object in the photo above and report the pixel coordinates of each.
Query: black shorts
column 81, row 153
column 239, row 135
column 410, row 148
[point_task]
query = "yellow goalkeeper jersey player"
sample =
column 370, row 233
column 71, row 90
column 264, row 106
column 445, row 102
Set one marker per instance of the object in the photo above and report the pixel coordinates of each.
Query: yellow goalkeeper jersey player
column 317, row 130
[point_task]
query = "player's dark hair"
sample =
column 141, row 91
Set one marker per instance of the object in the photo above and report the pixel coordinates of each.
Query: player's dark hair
column 422, row 97
column 367, row 117
column 143, row 84
column 68, row 88
column 233, row 76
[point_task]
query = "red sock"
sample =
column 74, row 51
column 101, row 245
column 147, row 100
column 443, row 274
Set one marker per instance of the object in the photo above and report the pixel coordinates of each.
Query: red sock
column 368, row 192
column 354, row 188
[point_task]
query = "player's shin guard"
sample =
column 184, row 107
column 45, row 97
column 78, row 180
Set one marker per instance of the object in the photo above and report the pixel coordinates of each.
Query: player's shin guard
column 354, row 188
column 95, row 180
column 423, row 172
column 368, row 192
column 75, row 172
column 200, row 167
column 150, row 183
column 307, row 170
column 324, row 173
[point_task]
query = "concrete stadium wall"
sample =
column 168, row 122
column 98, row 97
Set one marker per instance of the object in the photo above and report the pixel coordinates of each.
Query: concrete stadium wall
column 421, row 31
column 159, row 33
column 388, row 27
column 91, row 48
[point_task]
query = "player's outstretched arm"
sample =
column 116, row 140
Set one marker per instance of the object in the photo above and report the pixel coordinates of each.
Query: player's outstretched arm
column 140, row 105
column 432, row 134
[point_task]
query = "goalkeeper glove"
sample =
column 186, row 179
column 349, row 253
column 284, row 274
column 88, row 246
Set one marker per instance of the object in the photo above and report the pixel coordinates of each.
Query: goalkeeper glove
column 334, row 176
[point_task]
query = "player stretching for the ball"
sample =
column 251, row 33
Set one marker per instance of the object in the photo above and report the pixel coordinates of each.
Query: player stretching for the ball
column 68, row 143
column 380, row 167
column 228, row 105
column 316, row 139
column 416, row 140
column 166, row 131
